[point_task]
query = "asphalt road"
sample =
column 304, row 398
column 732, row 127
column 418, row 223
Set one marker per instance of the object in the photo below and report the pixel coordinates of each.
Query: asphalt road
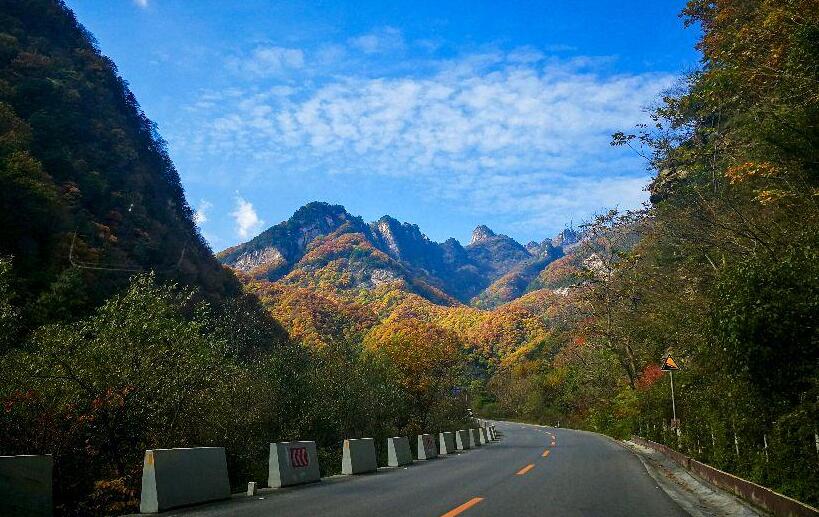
column 581, row 474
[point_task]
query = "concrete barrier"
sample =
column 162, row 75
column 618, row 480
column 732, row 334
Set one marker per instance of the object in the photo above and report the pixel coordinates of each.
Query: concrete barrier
column 358, row 456
column 426, row 447
column 446, row 443
column 489, row 433
column 462, row 440
column 483, row 436
column 292, row 463
column 398, row 451
column 25, row 485
column 474, row 435
column 181, row 477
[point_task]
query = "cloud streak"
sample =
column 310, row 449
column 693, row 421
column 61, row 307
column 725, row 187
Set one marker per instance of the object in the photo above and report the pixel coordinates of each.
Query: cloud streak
column 268, row 60
column 385, row 39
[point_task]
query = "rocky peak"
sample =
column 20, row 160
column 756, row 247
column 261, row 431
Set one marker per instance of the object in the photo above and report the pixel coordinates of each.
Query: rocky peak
column 481, row 233
column 320, row 213
column 545, row 250
column 566, row 238
column 385, row 228
column 401, row 239
column 313, row 220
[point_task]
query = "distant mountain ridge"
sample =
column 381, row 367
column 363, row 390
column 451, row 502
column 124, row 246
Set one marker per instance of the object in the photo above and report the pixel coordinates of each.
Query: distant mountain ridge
column 491, row 270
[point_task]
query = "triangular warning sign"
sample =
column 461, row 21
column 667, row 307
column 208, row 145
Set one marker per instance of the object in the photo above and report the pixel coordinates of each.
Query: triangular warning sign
column 669, row 364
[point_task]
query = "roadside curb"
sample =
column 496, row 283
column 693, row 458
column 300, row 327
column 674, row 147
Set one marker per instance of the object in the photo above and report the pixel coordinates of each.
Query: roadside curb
column 757, row 495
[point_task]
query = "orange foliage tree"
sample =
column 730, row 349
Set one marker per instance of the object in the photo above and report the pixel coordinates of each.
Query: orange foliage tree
column 427, row 359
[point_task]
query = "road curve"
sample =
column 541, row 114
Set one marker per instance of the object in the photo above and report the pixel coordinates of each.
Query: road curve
column 581, row 474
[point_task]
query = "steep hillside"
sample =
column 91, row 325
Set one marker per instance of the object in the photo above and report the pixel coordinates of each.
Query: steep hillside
column 521, row 277
column 85, row 177
column 333, row 315
column 494, row 254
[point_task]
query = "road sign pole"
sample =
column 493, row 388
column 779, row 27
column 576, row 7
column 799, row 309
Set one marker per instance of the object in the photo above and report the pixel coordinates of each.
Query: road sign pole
column 673, row 404
column 669, row 365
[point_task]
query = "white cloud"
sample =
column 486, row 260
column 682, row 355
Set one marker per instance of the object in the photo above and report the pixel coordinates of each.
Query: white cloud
column 268, row 61
column 466, row 117
column 201, row 216
column 247, row 221
column 381, row 40
column 141, row 3
column 515, row 133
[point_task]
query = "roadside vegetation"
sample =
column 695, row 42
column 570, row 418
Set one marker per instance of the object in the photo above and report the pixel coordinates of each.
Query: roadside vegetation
column 156, row 367
column 721, row 270
column 119, row 330
column 162, row 347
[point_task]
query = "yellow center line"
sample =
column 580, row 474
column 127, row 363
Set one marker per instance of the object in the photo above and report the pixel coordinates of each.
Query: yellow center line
column 464, row 507
column 545, row 453
column 525, row 469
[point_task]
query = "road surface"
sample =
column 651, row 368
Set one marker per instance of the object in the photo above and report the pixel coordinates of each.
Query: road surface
column 522, row 474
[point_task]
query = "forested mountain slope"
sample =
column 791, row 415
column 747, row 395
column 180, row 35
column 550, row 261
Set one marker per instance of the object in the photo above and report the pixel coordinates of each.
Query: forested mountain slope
column 388, row 250
column 84, row 173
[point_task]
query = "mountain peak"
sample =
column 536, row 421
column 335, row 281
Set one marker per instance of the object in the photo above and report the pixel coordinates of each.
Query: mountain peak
column 565, row 238
column 481, row 233
column 320, row 209
column 393, row 248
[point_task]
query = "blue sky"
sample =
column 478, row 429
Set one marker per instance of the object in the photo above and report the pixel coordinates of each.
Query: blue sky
column 446, row 114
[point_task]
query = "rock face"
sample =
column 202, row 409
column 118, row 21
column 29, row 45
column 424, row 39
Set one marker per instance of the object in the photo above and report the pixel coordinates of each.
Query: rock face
column 566, row 238
column 258, row 258
column 495, row 254
column 272, row 253
column 492, row 269
column 480, row 234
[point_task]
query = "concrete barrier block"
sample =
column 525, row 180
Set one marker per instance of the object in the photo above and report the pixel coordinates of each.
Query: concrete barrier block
column 292, row 463
column 181, row 477
column 463, row 440
column 483, row 436
column 446, row 443
column 426, row 447
column 358, row 456
column 398, row 451
column 474, row 435
column 25, row 485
